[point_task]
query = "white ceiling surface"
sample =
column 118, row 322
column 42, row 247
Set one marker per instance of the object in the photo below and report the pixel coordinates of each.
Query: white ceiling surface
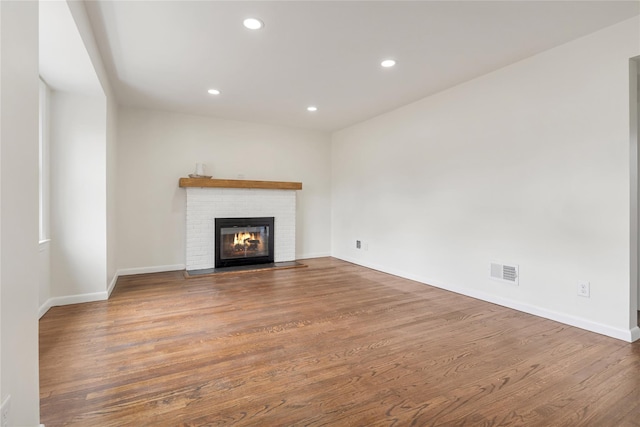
column 166, row 54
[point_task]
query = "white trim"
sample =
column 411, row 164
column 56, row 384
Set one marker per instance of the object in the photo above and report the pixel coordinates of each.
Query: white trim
column 628, row 335
column 316, row 255
column 44, row 308
column 71, row 299
column 112, row 285
column 145, row 270
column 103, row 296
column 42, row 244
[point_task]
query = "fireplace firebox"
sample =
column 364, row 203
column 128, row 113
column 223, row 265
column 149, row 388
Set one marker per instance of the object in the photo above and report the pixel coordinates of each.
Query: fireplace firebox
column 243, row 241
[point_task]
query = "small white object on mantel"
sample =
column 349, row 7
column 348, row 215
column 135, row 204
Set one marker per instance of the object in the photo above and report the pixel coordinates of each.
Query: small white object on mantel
column 200, row 171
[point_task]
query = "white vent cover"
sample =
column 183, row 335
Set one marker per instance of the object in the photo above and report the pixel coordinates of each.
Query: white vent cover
column 505, row 273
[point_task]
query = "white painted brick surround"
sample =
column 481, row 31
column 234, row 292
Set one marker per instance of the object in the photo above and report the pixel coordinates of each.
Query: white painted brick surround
column 204, row 205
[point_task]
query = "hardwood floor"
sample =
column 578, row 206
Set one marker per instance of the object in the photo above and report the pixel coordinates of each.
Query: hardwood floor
column 332, row 344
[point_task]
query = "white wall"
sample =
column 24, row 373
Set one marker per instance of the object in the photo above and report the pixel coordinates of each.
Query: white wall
column 156, row 148
column 44, row 263
column 112, row 177
column 527, row 165
column 634, row 135
column 83, row 131
column 81, row 19
column 78, row 195
column 44, row 272
column 1, row 33
column 19, row 210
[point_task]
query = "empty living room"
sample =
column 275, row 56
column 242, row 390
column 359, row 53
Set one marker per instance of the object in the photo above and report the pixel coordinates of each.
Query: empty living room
column 343, row 213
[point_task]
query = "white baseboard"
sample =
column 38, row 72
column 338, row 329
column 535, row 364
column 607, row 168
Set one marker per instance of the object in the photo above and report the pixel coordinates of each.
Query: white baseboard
column 102, row 296
column 145, row 270
column 112, row 285
column 71, row 299
column 44, row 308
column 316, row 255
column 629, row 335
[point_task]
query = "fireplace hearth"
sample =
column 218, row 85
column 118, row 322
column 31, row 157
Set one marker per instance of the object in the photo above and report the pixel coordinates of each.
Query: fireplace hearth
column 244, row 241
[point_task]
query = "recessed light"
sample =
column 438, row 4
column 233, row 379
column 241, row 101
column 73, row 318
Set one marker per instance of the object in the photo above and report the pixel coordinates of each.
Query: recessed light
column 388, row 63
column 253, row 23
column 312, row 108
column 214, row 91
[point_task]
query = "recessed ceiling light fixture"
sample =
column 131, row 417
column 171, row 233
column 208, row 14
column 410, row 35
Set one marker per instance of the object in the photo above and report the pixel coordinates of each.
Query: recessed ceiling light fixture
column 214, row 91
column 253, row 23
column 387, row 63
column 312, row 108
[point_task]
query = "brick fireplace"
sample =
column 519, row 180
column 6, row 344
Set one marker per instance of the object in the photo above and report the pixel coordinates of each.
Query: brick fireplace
column 208, row 199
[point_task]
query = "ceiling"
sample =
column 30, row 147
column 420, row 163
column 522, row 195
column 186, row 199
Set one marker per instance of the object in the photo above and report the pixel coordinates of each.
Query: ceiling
column 166, row 54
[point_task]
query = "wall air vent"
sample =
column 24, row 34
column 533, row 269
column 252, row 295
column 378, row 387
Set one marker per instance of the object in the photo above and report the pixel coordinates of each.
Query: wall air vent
column 505, row 273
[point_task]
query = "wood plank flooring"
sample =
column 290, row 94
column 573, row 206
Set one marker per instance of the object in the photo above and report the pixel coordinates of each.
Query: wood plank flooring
column 333, row 344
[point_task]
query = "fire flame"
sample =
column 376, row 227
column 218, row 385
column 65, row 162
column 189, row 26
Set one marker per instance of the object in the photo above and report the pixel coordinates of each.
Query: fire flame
column 243, row 238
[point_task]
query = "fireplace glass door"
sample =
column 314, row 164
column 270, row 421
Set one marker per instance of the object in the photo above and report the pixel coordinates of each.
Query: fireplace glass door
column 244, row 241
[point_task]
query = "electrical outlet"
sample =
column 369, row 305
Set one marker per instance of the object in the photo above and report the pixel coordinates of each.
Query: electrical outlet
column 358, row 244
column 584, row 290
column 366, row 246
column 4, row 412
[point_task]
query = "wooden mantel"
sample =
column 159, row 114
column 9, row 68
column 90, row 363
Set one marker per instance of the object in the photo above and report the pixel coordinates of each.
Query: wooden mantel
column 239, row 183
